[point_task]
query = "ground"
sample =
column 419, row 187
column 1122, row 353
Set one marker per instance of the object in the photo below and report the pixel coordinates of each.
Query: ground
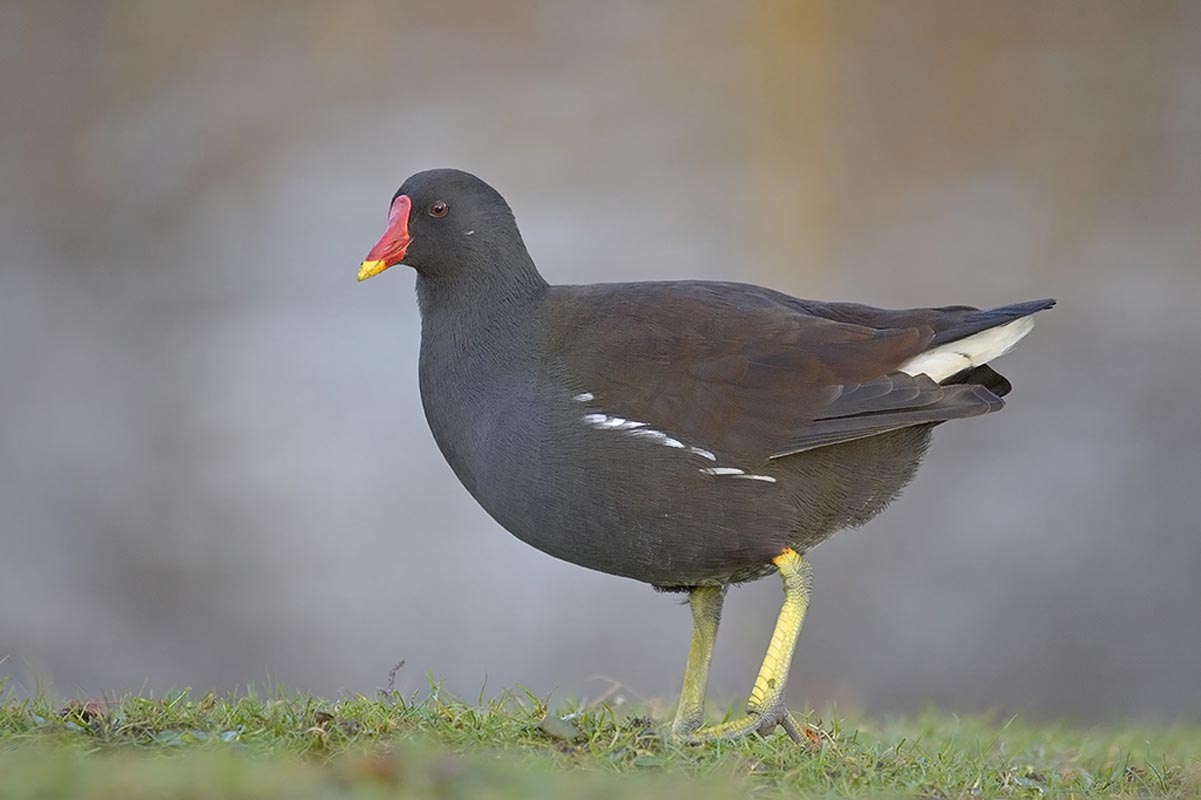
column 292, row 746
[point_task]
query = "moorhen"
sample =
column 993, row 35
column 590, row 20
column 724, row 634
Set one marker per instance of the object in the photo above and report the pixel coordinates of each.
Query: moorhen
column 688, row 434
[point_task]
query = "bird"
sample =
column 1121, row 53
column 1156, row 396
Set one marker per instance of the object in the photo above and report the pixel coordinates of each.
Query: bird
column 691, row 435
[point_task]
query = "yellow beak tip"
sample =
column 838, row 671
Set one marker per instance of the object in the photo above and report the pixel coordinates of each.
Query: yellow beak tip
column 370, row 269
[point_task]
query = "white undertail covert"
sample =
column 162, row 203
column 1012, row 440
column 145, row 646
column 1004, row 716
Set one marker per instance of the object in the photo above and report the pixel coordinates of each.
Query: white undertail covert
column 941, row 362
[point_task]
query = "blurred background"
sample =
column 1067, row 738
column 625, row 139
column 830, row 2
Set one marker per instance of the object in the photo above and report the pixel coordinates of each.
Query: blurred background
column 214, row 470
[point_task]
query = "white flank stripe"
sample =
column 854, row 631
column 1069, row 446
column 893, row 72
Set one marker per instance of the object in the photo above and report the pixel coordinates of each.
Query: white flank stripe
column 767, row 478
column 583, row 397
column 945, row 360
column 635, row 428
column 721, row 471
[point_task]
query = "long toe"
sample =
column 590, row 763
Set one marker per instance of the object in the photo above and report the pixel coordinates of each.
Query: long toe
column 761, row 723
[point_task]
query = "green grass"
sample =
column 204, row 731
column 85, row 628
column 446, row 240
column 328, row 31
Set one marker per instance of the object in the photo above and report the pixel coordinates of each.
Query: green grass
column 181, row 745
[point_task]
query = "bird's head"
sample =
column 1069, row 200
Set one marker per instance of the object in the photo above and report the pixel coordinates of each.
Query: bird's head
column 443, row 222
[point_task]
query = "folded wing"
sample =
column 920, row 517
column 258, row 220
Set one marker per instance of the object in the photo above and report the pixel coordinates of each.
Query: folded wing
column 756, row 375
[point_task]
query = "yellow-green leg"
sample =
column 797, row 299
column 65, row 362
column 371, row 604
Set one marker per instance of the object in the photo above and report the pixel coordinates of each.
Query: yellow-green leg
column 706, row 602
column 765, row 708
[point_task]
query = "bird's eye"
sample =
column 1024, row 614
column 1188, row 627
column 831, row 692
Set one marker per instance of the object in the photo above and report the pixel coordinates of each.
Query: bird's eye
column 439, row 209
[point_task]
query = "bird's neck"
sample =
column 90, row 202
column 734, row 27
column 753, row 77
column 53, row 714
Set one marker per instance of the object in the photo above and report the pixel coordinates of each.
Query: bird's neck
column 476, row 310
column 493, row 281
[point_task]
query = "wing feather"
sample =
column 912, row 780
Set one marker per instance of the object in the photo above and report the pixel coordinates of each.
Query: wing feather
column 755, row 374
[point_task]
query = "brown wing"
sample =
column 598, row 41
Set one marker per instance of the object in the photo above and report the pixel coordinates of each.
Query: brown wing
column 932, row 403
column 743, row 371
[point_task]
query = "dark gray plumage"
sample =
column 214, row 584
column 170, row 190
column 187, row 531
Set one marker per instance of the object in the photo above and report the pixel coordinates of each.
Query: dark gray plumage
column 678, row 433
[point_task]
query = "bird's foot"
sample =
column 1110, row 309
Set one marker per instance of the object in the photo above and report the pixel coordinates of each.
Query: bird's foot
column 765, row 707
column 761, row 722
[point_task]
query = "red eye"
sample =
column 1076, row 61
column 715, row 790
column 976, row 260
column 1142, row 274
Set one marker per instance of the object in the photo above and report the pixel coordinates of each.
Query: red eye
column 439, row 209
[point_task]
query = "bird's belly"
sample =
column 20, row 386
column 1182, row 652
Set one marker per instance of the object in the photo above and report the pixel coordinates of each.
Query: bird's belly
column 615, row 503
column 630, row 505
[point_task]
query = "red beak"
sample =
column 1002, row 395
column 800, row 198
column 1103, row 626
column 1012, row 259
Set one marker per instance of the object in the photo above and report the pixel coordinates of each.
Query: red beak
column 390, row 249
